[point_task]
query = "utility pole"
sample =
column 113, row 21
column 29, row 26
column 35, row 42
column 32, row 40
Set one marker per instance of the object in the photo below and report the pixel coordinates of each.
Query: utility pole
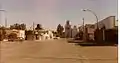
column 103, row 32
column 83, row 31
column 83, row 24
column 33, row 30
column 6, row 22
column 5, row 13
column 33, row 26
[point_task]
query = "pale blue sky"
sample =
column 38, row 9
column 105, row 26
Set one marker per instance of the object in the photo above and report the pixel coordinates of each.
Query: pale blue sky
column 50, row 13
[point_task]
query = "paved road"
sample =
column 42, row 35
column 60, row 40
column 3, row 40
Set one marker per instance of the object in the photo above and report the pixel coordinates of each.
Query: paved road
column 55, row 51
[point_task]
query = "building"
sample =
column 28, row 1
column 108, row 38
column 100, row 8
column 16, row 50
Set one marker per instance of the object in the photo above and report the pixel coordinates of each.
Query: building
column 20, row 33
column 108, row 29
column 89, row 31
column 108, row 22
column 5, row 34
column 43, row 34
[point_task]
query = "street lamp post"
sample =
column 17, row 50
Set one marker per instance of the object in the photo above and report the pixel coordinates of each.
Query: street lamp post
column 97, row 30
column 5, row 17
column 84, row 36
column 93, row 14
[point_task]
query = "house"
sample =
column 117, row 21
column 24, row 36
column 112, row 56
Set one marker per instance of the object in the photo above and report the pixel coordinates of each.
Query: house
column 108, row 29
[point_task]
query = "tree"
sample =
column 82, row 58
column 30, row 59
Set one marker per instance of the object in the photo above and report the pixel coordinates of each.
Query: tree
column 60, row 30
column 18, row 26
column 39, row 27
column 23, row 26
column 12, row 27
column 2, row 33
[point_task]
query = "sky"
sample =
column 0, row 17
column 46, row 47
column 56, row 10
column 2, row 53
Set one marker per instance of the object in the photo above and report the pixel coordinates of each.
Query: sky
column 50, row 13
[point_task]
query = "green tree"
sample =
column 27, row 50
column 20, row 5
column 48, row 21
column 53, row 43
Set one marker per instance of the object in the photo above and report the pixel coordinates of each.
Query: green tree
column 23, row 26
column 18, row 26
column 60, row 30
column 39, row 27
column 2, row 33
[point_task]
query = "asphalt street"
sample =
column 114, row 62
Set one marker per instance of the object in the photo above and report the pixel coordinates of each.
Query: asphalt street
column 55, row 51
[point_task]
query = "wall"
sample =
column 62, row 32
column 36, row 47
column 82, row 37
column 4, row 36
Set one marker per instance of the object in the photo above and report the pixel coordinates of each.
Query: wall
column 21, row 33
column 116, row 22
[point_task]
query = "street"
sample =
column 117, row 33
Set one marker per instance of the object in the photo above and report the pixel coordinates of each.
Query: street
column 56, row 51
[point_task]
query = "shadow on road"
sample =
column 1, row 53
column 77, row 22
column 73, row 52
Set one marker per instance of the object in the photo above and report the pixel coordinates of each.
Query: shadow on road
column 82, row 43
column 94, row 44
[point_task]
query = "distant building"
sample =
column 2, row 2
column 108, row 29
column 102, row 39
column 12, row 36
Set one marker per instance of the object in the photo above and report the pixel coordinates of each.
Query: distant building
column 20, row 33
column 43, row 34
column 80, row 28
column 74, row 31
column 89, row 31
column 68, row 32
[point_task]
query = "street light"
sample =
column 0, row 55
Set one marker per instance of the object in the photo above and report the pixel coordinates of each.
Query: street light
column 97, row 30
column 5, row 17
column 93, row 14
